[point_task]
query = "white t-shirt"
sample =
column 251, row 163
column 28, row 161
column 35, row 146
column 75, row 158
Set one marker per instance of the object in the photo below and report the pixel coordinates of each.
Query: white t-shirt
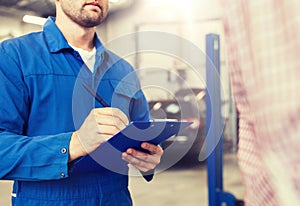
column 88, row 57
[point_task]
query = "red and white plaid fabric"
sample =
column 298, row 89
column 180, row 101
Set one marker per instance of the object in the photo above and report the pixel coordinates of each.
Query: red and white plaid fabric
column 263, row 45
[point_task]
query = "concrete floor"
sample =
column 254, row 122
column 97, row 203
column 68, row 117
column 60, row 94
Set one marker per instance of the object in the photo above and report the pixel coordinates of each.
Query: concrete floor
column 5, row 191
column 183, row 185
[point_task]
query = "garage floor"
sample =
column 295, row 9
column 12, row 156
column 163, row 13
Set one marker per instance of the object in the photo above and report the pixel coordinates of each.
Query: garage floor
column 183, row 185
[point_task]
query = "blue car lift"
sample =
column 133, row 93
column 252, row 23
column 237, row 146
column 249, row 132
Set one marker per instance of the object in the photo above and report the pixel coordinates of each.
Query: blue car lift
column 214, row 126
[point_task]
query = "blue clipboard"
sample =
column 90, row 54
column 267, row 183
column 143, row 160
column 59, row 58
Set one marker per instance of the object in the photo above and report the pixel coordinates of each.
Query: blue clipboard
column 108, row 154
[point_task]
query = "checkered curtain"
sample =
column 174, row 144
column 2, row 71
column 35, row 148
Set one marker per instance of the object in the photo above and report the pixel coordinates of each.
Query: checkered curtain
column 263, row 50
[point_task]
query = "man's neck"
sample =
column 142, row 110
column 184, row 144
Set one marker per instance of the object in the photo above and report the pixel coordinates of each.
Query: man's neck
column 76, row 35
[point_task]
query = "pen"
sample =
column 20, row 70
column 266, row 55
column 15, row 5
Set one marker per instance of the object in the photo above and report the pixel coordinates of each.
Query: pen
column 96, row 95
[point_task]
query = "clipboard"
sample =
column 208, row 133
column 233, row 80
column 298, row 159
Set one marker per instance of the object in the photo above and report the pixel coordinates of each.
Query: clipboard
column 108, row 154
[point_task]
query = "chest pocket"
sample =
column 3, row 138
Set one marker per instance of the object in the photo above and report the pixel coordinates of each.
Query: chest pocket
column 120, row 94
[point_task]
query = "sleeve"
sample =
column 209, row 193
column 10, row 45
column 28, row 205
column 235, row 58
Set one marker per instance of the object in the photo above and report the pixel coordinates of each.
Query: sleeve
column 23, row 157
column 139, row 108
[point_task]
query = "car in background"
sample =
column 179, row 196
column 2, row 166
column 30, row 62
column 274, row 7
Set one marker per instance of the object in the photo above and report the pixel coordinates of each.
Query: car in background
column 186, row 105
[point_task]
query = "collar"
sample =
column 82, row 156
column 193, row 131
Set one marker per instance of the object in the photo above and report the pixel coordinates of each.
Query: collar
column 56, row 41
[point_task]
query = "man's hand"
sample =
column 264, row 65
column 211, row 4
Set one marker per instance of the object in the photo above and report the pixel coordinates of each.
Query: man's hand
column 100, row 125
column 143, row 161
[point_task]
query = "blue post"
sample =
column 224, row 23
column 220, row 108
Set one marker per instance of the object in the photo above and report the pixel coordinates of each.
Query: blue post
column 214, row 127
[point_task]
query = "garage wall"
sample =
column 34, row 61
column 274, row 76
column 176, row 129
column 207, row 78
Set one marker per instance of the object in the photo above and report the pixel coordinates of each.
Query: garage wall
column 13, row 27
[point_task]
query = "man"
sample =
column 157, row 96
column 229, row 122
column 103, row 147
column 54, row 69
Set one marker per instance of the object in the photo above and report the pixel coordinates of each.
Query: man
column 263, row 49
column 48, row 120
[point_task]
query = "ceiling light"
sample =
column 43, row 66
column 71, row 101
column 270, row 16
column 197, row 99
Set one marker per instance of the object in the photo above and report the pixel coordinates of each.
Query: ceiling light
column 34, row 20
column 114, row 1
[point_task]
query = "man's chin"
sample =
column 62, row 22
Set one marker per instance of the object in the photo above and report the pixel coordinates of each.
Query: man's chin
column 90, row 22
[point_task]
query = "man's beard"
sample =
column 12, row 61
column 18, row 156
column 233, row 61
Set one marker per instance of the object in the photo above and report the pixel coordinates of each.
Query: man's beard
column 83, row 19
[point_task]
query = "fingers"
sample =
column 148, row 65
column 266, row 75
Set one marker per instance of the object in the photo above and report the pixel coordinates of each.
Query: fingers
column 140, row 164
column 143, row 161
column 109, row 120
column 111, row 116
column 153, row 149
column 108, row 129
column 106, row 137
